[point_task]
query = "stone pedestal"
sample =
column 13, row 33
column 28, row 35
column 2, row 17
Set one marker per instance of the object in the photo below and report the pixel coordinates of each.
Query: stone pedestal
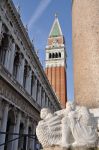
column 71, row 148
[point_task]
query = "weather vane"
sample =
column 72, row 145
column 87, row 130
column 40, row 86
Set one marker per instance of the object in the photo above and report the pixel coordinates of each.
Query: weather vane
column 56, row 15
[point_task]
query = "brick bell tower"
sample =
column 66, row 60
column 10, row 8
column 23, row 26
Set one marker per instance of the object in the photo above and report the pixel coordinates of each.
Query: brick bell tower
column 56, row 62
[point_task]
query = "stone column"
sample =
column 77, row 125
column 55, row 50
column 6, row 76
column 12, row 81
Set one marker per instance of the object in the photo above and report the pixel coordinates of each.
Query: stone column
column 85, row 14
column 16, row 130
column 12, row 58
column 0, row 26
column 0, row 31
column 33, row 142
column 26, row 132
column 42, row 92
column 43, row 101
column 35, row 89
column 39, row 95
column 4, row 125
column 7, row 59
column 46, row 102
column 0, row 111
column 32, row 83
column 21, row 69
column 28, row 80
column 8, row 53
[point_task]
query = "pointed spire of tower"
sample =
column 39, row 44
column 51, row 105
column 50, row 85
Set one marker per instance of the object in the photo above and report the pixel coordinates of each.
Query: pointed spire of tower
column 56, row 29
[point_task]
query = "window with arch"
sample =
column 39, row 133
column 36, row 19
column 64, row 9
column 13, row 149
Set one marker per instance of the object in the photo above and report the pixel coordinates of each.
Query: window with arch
column 3, row 48
column 50, row 56
column 56, row 55
column 16, row 65
column 59, row 54
column 53, row 55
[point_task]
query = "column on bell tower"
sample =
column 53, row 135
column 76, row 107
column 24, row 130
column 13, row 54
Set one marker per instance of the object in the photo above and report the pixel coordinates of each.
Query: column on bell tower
column 56, row 62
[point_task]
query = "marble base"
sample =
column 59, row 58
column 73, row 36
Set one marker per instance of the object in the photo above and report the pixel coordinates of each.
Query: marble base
column 71, row 148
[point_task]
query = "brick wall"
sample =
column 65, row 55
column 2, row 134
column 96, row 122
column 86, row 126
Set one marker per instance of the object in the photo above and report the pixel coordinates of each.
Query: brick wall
column 57, row 78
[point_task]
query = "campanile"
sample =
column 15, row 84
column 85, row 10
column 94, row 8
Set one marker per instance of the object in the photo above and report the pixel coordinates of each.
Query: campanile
column 56, row 62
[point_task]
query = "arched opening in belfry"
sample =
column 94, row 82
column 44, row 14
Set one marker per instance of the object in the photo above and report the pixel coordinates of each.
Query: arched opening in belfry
column 10, row 130
column 56, row 55
column 3, row 48
column 50, row 55
column 53, row 55
column 59, row 54
column 16, row 65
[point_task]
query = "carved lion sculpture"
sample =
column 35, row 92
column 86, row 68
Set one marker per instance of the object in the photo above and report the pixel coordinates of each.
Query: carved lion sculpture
column 70, row 126
column 49, row 129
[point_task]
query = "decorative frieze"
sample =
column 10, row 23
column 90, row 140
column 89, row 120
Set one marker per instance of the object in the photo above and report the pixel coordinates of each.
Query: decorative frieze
column 10, row 94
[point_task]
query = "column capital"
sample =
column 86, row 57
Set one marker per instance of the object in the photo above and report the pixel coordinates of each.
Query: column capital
column 18, row 114
column 25, row 116
column 5, row 104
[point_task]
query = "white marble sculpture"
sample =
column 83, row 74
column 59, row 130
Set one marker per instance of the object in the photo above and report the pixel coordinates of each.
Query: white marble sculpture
column 49, row 128
column 73, row 126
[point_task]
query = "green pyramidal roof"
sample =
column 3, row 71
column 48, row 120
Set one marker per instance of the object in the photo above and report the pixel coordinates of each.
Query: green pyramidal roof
column 56, row 31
